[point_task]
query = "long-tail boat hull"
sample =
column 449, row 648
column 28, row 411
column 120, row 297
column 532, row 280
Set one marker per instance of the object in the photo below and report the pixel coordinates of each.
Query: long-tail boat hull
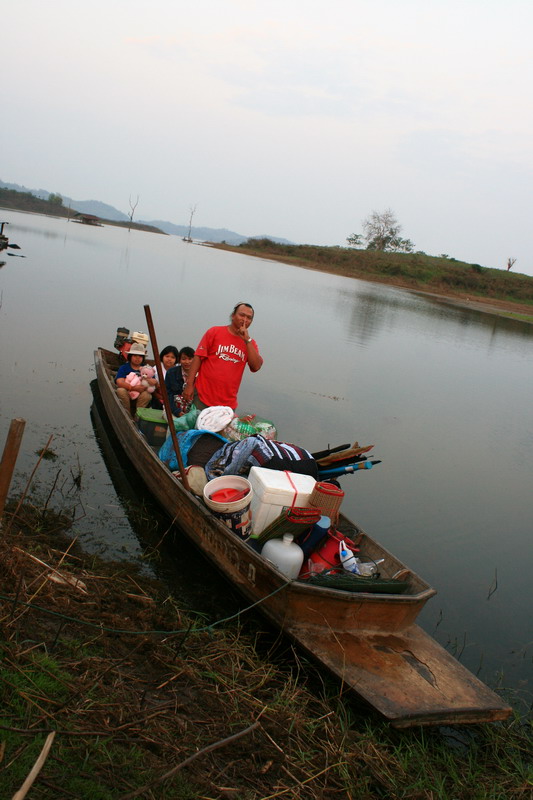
column 370, row 641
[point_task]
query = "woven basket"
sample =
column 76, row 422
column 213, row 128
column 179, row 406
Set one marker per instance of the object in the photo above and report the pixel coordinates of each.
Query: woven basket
column 328, row 498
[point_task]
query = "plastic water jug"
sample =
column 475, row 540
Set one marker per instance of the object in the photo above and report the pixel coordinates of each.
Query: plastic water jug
column 285, row 555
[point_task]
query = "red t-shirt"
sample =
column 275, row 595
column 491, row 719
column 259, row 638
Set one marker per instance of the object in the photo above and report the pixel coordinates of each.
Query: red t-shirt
column 224, row 358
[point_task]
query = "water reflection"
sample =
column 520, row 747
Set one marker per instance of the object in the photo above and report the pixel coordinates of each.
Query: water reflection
column 60, row 228
column 495, row 323
column 36, row 232
column 125, row 257
column 370, row 311
column 164, row 549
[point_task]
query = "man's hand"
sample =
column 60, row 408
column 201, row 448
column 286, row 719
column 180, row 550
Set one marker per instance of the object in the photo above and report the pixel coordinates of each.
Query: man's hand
column 243, row 332
column 187, row 393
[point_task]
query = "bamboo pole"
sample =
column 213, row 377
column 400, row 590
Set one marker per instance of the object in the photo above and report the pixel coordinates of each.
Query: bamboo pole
column 9, row 458
column 164, row 395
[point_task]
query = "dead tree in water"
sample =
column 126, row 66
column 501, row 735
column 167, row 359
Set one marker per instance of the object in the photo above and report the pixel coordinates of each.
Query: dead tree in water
column 192, row 209
column 133, row 206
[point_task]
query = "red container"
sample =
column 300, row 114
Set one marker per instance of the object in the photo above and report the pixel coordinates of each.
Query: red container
column 326, row 557
column 228, row 495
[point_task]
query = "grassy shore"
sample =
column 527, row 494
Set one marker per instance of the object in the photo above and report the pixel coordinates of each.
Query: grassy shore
column 472, row 285
column 137, row 697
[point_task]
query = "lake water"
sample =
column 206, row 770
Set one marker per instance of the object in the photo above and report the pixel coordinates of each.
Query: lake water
column 444, row 393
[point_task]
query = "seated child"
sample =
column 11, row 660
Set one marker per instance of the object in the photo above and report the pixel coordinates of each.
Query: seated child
column 175, row 381
column 169, row 357
column 126, row 392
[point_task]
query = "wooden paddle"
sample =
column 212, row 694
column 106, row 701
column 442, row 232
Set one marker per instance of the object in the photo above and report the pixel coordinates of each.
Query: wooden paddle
column 164, row 395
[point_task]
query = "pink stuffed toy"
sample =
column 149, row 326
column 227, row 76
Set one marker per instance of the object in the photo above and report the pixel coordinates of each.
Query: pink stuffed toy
column 147, row 372
column 134, row 382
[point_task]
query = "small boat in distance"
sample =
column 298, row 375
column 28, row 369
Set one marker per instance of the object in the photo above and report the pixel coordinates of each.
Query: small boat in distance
column 370, row 641
column 87, row 219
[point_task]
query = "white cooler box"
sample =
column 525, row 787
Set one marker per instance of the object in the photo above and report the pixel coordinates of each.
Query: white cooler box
column 273, row 491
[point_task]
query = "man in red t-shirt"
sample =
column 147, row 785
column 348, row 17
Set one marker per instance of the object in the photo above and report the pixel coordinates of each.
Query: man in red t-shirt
column 220, row 359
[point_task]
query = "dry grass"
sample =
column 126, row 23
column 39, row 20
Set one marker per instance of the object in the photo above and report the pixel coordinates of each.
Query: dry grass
column 147, row 701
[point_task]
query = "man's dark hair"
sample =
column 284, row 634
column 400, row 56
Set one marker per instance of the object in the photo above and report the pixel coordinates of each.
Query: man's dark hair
column 186, row 351
column 248, row 305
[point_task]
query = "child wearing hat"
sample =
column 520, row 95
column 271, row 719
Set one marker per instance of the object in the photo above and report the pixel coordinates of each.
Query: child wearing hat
column 126, row 393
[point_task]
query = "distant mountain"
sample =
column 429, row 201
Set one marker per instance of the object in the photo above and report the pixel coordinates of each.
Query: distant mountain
column 16, row 187
column 97, row 208
column 102, row 210
column 205, row 234
column 210, row 234
column 105, row 211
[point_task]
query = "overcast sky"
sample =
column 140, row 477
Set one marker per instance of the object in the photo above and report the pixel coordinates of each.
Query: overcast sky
column 288, row 118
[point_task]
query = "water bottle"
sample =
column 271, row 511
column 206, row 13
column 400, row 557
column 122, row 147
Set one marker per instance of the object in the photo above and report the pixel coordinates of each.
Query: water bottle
column 349, row 562
column 369, row 568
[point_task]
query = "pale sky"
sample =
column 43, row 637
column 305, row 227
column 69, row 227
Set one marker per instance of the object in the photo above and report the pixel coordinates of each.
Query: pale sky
column 289, row 118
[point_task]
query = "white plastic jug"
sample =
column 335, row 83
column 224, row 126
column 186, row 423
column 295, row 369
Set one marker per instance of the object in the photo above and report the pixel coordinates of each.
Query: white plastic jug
column 285, row 554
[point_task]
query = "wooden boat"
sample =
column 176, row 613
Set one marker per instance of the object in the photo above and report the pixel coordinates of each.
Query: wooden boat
column 370, row 641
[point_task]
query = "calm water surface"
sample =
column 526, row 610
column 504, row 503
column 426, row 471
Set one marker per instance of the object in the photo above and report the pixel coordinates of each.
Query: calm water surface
column 444, row 394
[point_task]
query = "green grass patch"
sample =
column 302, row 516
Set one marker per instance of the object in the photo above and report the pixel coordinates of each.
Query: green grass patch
column 413, row 270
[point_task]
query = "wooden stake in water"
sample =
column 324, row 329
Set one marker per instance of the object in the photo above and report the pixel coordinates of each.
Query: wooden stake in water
column 9, row 458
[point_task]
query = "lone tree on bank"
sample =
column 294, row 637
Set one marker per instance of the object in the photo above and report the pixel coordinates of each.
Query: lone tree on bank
column 382, row 232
